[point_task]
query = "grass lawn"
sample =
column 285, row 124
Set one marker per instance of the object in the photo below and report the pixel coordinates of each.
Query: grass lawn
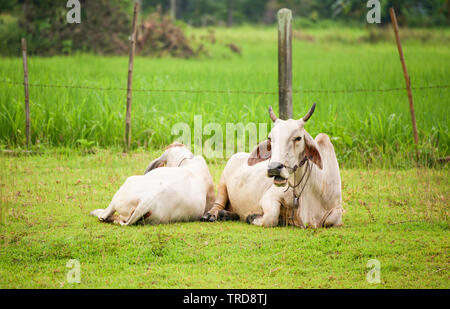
column 399, row 217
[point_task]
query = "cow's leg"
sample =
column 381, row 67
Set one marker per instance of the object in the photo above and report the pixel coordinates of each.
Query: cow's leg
column 334, row 219
column 271, row 212
column 104, row 215
column 142, row 210
column 219, row 205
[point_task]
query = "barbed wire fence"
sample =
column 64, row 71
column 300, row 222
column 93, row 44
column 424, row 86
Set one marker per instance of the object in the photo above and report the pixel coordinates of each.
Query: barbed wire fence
column 212, row 91
column 215, row 91
column 284, row 92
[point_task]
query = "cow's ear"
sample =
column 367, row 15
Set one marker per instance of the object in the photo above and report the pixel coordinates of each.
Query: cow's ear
column 261, row 153
column 159, row 162
column 312, row 150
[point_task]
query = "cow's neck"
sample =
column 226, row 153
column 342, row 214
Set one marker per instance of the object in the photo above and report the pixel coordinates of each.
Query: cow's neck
column 184, row 160
column 299, row 178
column 182, row 157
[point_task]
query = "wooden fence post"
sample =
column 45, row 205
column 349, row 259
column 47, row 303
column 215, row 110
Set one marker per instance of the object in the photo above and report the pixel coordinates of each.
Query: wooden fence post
column 407, row 79
column 173, row 10
column 27, row 95
column 229, row 13
column 285, row 63
column 130, row 78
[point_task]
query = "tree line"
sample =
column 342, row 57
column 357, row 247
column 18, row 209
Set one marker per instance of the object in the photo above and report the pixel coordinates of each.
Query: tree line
column 106, row 24
column 412, row 13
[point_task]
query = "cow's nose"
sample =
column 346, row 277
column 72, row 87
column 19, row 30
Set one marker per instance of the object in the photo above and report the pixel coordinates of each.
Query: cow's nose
column 274, row 169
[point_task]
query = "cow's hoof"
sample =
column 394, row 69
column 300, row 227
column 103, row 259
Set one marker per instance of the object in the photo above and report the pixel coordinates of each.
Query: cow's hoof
column 225, row 215
column 208, row 218
column 252, row 217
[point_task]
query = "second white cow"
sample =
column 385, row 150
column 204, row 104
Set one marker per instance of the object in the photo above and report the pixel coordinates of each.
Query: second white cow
column 176, row 187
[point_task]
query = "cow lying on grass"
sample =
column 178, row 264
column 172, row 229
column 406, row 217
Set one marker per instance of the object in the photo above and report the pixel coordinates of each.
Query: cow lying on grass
column 292, row 157
column 183, row 190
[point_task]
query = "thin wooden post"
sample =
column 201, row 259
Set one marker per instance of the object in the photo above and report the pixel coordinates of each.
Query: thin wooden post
column 25, row 86
column 407, row 79
column 173, row 10
column 229, row 13
column 285, row 63
column 130, row 78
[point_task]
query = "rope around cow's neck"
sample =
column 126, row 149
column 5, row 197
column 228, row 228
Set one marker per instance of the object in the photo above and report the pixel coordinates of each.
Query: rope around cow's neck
column 182, row 160
column 295, row 199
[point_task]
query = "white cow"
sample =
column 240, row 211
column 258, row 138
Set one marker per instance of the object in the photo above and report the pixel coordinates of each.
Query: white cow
column 183, row 190
column 292, row 157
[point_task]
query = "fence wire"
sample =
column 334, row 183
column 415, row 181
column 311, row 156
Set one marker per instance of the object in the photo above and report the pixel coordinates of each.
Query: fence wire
column 361, row 90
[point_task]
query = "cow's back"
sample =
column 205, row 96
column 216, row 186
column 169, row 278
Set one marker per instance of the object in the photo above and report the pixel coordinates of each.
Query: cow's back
column 331, row 178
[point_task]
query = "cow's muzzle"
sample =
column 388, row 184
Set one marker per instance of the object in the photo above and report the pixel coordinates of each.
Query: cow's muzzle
column 279, row 172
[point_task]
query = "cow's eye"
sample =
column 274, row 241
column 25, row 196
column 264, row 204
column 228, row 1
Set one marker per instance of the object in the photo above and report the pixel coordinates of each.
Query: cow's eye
column 298, row 139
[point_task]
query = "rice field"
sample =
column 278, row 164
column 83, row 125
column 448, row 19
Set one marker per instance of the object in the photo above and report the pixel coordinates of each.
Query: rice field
column 367, row 128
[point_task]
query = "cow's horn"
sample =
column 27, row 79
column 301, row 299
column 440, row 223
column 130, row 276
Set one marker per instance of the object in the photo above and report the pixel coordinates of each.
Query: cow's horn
column 272, row 114
column 309, row 114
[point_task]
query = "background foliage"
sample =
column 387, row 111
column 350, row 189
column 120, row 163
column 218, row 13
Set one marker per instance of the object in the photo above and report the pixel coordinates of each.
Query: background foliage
column 105, row 24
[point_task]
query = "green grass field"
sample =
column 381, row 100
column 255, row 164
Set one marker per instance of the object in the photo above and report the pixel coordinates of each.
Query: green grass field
column 399, row 217
column 368, row 128
column 395, row 213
